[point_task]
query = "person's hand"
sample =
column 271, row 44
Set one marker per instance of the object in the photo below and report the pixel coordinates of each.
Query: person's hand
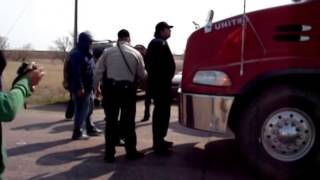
column 35, row 75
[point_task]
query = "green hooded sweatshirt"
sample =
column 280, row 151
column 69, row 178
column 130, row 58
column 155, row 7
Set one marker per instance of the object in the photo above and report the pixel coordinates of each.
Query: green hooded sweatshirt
column 10, row 103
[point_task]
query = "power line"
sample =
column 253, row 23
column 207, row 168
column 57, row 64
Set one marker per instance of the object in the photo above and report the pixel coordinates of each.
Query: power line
column 18, row 18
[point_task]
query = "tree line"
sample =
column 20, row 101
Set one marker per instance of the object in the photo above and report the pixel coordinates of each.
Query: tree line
column 61, row 46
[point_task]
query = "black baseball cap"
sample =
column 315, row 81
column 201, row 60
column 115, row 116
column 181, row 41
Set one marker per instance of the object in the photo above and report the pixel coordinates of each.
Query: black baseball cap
column 162, row 25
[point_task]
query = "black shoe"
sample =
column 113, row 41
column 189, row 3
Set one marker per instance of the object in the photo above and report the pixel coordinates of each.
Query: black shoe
column 80, row 136
column 94, row 132
column 163, row 145
column 68, row 119
column 167, row 144
column 109, row 158
column 134, row 156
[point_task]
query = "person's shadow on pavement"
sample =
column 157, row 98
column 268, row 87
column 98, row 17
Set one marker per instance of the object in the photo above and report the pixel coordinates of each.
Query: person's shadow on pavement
column 36, row 147
column 186, row 162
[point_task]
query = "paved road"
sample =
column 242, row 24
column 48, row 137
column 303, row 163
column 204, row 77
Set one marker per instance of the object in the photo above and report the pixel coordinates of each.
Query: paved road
column 39, row 147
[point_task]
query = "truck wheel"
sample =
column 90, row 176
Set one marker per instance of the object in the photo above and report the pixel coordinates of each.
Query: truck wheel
column 279, row 131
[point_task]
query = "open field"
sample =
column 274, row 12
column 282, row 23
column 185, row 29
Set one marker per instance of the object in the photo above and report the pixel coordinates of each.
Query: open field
column 50, row 89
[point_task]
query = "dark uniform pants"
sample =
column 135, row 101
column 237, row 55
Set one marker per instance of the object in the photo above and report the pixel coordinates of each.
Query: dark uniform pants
column 120, row 98
column 161, row 113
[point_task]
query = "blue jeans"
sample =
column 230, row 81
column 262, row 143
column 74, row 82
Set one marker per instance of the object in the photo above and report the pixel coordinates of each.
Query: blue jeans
column 83, row 111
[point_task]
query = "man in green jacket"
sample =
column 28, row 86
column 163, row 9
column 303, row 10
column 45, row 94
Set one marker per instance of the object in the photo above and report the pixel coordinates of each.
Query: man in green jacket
column 12, row 101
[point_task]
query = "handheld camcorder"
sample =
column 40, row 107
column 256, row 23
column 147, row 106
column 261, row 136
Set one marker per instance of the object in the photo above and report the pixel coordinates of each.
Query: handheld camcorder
column 23, row 69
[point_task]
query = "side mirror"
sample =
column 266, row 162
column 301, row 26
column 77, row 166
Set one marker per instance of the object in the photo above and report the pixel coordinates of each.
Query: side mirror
column 208, row 26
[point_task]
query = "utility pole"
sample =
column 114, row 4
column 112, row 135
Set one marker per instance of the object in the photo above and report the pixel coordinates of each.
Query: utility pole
column 75, row 32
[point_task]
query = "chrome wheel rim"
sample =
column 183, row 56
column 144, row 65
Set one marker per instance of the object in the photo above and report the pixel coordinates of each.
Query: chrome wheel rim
column 288, row 134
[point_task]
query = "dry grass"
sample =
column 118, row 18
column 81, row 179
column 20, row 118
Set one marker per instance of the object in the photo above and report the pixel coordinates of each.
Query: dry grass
column 50, row 89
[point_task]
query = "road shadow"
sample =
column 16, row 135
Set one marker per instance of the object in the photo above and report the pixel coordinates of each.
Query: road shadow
column 223, row 157
column 36, row 147
column 93, row 166
column 55, row 127
column 56, row 107
column 44, row 125
column 218, row 159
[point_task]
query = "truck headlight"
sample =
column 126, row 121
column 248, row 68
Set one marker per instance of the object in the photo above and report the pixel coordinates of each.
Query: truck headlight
column 212, row 78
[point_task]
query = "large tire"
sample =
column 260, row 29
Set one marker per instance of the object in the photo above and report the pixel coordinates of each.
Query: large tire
column 279, row 132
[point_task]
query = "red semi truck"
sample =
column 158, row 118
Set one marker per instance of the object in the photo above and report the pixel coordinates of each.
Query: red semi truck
column 258, row 73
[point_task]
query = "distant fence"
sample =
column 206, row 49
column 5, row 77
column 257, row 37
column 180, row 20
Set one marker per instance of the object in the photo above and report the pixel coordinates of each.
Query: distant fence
column 18, row 55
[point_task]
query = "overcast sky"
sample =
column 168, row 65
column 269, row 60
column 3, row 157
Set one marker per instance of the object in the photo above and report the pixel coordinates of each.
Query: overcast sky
column 40, row 22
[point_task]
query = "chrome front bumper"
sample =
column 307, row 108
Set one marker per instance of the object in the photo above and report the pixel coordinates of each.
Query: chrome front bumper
column 205, row 112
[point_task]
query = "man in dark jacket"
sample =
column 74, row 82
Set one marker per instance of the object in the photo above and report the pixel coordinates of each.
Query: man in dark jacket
column 161, row 67
column 80, row 78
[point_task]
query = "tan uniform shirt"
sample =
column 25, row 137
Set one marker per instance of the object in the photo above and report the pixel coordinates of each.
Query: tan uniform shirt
column 112, row 63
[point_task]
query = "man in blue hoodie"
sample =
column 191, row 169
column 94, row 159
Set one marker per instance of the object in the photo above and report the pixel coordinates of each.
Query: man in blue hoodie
column 80, row 78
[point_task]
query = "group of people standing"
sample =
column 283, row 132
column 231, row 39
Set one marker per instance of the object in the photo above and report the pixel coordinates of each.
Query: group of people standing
column 116, row 76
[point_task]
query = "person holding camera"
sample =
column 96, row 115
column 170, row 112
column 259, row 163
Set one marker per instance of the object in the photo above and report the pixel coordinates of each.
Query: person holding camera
column 12, row 101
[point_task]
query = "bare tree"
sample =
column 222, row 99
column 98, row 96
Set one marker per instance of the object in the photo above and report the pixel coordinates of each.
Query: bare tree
column 63, row 44
column 4, row 42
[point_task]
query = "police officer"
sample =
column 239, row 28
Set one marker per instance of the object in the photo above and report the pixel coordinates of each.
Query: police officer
column 120, row 67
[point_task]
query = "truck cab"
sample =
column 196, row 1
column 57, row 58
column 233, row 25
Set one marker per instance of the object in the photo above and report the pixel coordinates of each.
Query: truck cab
column 257, row 74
